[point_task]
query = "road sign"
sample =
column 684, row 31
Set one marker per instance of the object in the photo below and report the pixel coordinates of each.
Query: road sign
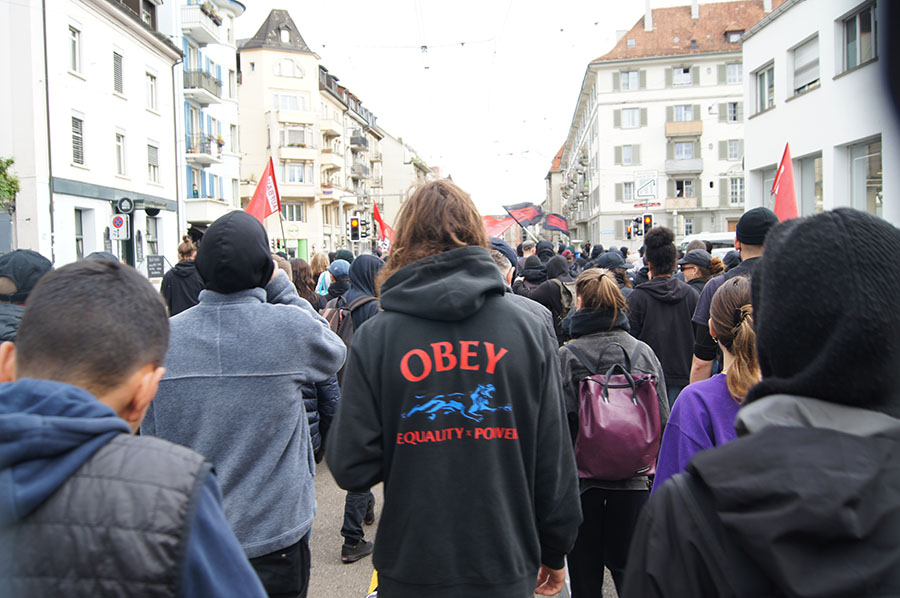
column 118, row 227
column 125, row 205
column 645, row 185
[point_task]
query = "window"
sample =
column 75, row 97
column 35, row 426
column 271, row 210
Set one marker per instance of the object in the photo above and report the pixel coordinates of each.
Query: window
column 859, row 37
column 74, row 49
column 684, row 112
column 298, row 172
column 292, row 212
column 152, row 163
column 153, row 235
column 734, row 73
column 733, row 112
column 77, row 140
column 806, row 65
column 736, row 190
column 288, row 68
column 681, row 75
column 235, row 192
column 734, row 149
column 765, row 88
column 295, row 136
column 120, row 154
column 79, row 233
column 285, row 101
column 118, row 84
column 865, row 177
column 232, row 85
column 631, row 118
column 684, row 150
column 684, row 188
column 147, row 14
column 630, row 43
column 628, row 191
column 688, row 226
column 627, row 155
column 235, row 146
column 285, row 35
column 811, row 185
column 734, row 36
column 151, row 92
column 630, row 80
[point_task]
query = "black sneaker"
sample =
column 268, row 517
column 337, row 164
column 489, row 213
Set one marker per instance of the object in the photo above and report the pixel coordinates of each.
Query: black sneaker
column 369, row 519
column 350, row 553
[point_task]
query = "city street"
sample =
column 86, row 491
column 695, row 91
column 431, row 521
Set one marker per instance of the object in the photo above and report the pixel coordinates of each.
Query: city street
column 330, row 578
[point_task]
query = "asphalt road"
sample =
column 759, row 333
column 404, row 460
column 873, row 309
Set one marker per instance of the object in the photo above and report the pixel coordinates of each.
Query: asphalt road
column 330, row 578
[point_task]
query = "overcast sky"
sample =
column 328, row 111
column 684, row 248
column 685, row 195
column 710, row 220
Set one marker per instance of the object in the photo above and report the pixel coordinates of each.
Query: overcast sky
column 490, row 100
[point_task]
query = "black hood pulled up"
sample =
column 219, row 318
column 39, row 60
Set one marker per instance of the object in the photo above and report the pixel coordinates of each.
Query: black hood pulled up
column 544, row 250
column 363, row 272
column 184, row 268
column 234, row 254
column 447, row 287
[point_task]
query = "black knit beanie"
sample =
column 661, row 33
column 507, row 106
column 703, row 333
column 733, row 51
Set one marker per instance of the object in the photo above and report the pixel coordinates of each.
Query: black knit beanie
column 827, row 316
column 234, row 254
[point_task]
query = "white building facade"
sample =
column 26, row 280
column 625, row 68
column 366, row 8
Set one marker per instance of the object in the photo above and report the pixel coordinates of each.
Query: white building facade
column 658, row 127
column 101, row 130
column 815, row 80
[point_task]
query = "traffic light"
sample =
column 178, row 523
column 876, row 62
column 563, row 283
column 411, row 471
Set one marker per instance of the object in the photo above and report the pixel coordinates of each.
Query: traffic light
column 648, row 222
column 364, row 229
column 637, row 229
column 354, row 229
column 628, row 231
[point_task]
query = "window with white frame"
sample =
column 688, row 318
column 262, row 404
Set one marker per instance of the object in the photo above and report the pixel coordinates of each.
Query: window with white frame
column 688, row 226
column 628, row 191
column 630, row 80
column 288, row 101
column 120, row 154
column 734, row 149
column 734, row 73
column 235, row 192
column 734, row 36
column 118, row 74
column 733, row 112
column 684, row 188
column 288, row 68
column 298, row 172
column 631, row 118
column 627, row 155
column 152, row 163
column 296, row 136
column 153, row 235
column 74, row 49
column 79, row 233
column 684, row 150
column 859, row 37
column 77, row 140
column 681, row 75
column 235, row 145
column 806, row 65
column 232, row 84
column 292, row 212
column 684, row 112
column 736, row 190
column 765, row 88
column 866, row 186
column 151, row 91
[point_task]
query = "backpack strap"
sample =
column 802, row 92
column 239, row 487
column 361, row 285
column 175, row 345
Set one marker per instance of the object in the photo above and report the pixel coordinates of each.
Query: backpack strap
column 360, row 301
column 582, row 357
column 585, row 360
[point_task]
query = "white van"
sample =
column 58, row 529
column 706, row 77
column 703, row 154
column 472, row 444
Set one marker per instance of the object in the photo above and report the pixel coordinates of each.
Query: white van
column 718, row 240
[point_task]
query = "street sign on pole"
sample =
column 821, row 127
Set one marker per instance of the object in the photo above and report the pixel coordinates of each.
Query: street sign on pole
column 645, row 185
column 118, row 227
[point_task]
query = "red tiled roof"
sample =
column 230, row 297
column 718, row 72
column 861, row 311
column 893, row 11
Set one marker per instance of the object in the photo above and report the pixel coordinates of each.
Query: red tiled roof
column 674, row 23
column 558, row 158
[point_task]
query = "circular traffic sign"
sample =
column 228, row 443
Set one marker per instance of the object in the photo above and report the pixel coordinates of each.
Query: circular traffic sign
column 118, row 222
column 126, row 205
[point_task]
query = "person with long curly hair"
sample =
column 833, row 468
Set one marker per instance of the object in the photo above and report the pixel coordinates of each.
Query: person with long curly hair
column 306, row 283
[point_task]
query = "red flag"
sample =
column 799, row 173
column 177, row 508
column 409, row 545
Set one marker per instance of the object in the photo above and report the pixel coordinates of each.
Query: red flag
column 783, row 188
column 525, row 214
column 557, row 222
column 265, row 200
column 383, row 229
column 496, row 226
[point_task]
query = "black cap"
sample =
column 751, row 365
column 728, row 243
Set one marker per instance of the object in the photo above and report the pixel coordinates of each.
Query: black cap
column 611, row 259
column 24, row 267
column 504, row 248
column 696, row 257
column 754, row 225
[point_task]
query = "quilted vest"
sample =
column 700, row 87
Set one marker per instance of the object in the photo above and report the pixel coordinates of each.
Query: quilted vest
column 119, row 526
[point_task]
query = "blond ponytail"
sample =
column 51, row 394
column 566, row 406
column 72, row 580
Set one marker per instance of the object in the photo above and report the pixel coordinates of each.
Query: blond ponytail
column 732, row 322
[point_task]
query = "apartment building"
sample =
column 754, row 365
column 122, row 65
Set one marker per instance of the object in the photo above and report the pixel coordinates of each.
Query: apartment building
column 554, row 201
column 658, row 127
column 90, row 121
column 209, row 141
column 814, row 73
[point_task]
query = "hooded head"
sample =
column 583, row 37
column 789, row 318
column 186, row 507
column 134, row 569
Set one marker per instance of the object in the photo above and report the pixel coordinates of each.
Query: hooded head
column 596, row 250
column 829, row 330
column 234, row 255
column 545, row 250
column 21, row 268
column 344, row 254
column 363, row 271
column 558, row 267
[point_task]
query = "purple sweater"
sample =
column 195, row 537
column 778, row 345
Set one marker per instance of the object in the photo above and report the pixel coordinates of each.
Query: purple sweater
column 702, row 418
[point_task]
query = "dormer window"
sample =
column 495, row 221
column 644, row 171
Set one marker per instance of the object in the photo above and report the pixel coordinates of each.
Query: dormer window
column 285, row 35
column 733, row 36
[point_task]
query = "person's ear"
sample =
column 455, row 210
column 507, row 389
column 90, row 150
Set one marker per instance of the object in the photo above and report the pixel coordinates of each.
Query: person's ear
column 509, row 276
column 7, row 362
column 737, row 244
column 578, row 302
column 144, row 384
column 712, row 332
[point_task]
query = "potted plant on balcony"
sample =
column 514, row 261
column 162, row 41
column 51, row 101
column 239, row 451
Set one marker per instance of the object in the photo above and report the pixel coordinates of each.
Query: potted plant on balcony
column 220, row 141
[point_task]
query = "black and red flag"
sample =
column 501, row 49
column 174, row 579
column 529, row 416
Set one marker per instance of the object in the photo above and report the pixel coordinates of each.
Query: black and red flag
column 557, row 222
column 525, row 214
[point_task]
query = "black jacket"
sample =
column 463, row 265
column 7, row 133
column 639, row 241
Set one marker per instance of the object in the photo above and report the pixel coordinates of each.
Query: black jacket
column 549, row 293
column 10, row 316
column 363, row 272
column 321, row 401
column 806, row 503
column 181, row 287
column 660, row 312
column 457, row 406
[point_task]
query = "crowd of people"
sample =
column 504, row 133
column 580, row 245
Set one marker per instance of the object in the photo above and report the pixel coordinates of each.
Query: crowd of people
column 164, row 442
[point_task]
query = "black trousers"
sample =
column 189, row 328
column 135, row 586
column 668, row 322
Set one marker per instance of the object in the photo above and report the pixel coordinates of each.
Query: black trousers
column 603, row 538
column 285, row 573
column 355, row 505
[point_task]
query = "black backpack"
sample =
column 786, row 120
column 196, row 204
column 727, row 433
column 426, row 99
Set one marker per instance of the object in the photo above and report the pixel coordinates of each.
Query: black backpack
column 338, row 313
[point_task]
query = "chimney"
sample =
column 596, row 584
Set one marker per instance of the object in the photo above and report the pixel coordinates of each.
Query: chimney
column 695, row 9
column 767, row 5
column 648, row 17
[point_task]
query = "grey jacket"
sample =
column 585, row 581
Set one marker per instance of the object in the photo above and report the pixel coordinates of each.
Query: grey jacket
column 233, row 392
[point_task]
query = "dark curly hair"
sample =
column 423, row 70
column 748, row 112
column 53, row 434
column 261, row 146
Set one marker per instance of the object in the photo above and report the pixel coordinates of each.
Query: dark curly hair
column 660, row 250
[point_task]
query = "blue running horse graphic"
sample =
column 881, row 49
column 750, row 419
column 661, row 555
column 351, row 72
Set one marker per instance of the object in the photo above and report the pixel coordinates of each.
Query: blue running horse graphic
column 454, row 403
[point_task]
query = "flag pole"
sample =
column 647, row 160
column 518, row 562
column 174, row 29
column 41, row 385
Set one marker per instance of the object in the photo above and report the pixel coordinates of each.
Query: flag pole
column 284, row 236
column 527, row 231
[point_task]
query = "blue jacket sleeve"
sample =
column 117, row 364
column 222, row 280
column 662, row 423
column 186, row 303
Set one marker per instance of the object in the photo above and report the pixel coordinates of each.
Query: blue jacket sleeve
column 216, row 564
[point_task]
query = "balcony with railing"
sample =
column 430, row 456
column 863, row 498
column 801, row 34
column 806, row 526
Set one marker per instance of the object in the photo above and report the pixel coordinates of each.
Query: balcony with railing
column 202, row 87
column 358, row 141
column 687, row 128
column 197, row 24
column 359, row 171
column 376, row 182
column 203, row 149
column 681, row 203
column 331, row 160
column 331, row 127
column 376, row 156
column 688, row 166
